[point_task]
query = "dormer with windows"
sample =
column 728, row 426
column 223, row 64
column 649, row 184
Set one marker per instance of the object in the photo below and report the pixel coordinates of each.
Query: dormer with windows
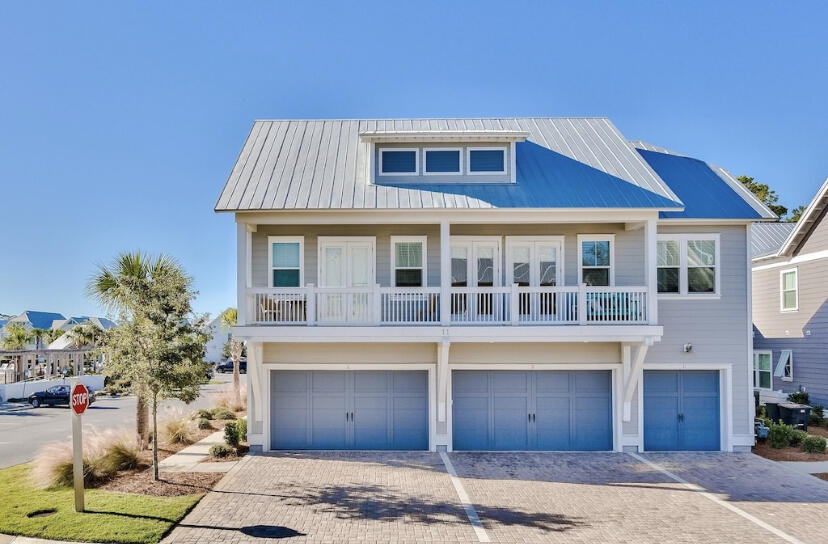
column 486, row 156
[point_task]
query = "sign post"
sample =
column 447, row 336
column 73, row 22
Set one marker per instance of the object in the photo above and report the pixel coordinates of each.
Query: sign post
column 78, row 401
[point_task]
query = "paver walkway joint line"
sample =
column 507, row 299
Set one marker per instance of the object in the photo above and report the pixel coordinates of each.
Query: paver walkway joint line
column 704, row 493
column 471, row 513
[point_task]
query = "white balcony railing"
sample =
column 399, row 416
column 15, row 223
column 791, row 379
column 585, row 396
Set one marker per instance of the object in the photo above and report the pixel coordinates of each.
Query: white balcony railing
column 515, row 305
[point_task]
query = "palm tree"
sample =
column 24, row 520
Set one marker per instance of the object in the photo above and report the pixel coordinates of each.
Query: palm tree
column 86, row 335
column 53, row 334
column 17, row 337
column 229, row 319
column 120, row 286
column 37, row 336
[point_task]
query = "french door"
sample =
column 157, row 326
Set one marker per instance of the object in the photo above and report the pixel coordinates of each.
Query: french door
column 535, row 263
column 346, row 279
column 476, row 263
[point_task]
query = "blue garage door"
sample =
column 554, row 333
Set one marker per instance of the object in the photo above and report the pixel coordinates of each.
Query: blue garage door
column 372, row 410
column 544, row 410
column 681, row 410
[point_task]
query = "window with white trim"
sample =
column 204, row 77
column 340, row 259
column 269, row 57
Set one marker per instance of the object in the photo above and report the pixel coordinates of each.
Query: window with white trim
column 408, row 261
column 789, row 290
column 486, row 160
column 784, row 367
column 442, row 161
column 398, row 161
column 596, row 255
column 762, row 378
column 688, row 264
column 286, row 262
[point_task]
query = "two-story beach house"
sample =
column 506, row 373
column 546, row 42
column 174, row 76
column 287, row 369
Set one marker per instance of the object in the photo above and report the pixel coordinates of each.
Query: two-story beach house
column 790, row 303
column 490, row 284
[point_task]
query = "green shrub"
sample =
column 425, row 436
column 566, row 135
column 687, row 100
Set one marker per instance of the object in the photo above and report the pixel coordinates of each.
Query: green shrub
column 797, row 437
column 814, row 444
column 779, row 435
column 231, row 434
column 123, row 453
column 762, row 413
column 220, row 450
column 203, row 414
column 242, row 426
column 223, row 413
column 204, row 423
column 800, row 397
column 817, row 415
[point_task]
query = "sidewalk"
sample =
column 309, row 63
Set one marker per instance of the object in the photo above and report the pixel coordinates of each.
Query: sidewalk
column 10, row 539
column 189, row 459
column 806, row 467
column 13, row 407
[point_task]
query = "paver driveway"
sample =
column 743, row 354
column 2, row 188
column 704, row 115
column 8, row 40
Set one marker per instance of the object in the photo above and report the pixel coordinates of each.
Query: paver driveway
column 518, row 497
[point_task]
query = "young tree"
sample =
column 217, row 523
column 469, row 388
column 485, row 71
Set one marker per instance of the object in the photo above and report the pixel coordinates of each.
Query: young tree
column 229, row 319
column 17, row 337
column 796, row 213
column 159, row 345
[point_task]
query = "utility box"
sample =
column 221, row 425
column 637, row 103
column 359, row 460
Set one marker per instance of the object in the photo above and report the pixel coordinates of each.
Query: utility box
column 794, row 414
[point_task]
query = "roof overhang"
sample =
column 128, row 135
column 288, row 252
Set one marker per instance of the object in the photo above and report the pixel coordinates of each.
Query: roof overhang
column 807, row 221
column 416, row 136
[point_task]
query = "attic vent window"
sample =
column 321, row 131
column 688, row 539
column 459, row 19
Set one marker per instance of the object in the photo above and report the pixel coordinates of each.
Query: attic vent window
column 442, row 161
column 398, row 161
column 487, row 160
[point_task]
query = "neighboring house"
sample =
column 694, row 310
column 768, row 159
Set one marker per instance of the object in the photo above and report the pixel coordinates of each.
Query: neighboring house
column 218, row 338
column 34, row 320
column 790, row 303
column 490, row 284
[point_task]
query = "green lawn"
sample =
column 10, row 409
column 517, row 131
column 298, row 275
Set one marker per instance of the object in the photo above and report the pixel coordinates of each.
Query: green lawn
column 110, row 517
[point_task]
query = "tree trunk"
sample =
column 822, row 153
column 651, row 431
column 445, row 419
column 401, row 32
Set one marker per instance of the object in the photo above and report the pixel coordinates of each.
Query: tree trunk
column 141, row 418
column 155, row 436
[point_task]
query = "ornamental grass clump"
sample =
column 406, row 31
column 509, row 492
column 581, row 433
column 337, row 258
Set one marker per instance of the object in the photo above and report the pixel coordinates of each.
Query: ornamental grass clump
column 220, row 451
column 227, row 399
column 779, row 435
column 223, row 413
column 203, row 414
column 204, row 423
column 178, row 430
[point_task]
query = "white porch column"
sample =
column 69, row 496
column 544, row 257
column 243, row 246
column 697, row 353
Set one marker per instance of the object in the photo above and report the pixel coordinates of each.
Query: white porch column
column 445, row 272
column 651, row 243
column 255, row 381
column 242, row 260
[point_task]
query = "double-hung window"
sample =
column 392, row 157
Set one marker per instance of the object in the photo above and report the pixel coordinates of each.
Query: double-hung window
column 596, row 254
column 408, row 261
column 789, row 290
column 762, row 378
column 285, row 258
column 688, row 264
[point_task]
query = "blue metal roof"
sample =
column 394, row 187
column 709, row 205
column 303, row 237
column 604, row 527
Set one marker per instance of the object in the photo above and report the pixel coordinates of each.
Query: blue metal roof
column 705, row 193
column 548, row 179
column 42, row 320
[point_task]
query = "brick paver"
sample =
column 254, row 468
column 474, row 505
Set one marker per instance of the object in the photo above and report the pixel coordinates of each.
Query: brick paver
column 519, row 497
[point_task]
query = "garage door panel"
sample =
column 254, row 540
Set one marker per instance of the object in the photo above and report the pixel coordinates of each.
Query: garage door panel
column 700, row 382
column 310, row 409
column 471, row 422
column 511, row 422
column 552, row 382
column 681, row 410
column 700, row 426
column 593, row 424
column 552, row 422
column 590, row 381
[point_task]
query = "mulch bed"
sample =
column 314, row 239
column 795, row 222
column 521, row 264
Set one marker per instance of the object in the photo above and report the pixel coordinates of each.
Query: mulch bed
column 818, row 431
column 172, row 484
column 821, row 475
column 787, row 454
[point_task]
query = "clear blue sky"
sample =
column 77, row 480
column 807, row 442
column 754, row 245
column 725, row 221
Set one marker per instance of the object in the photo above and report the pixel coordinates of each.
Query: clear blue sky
column 119, row 123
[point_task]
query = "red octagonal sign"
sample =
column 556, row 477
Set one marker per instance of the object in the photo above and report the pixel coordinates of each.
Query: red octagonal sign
column 79, row 399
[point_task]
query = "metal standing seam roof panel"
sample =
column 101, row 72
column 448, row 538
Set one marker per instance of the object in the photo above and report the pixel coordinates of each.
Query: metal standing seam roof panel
column 766, row 239
column 323, row 164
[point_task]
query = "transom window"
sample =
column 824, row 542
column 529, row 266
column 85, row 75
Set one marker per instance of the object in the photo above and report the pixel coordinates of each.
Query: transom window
column 398, row 161
column 487, row 160
column 688, row 264
column 762, row 378
column 442, row 161
column 285, row 258
column 408, row 258
column 595, row 259
column 789, row 295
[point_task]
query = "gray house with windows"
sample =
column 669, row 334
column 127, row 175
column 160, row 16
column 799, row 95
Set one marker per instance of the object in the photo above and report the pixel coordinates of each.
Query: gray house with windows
column 790, row 303
column 490, row 284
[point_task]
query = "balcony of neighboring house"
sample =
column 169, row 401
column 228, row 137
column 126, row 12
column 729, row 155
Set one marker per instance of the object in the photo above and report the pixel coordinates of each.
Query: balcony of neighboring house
column 448, row 275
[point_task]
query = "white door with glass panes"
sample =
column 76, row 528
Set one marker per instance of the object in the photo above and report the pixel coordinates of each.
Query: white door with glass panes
column 346, row 280
column 535, row 265
column 476, row 265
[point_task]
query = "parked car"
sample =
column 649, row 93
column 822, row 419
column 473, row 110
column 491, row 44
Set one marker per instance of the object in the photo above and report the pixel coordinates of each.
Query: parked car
column 227, row 366
column 58, row 394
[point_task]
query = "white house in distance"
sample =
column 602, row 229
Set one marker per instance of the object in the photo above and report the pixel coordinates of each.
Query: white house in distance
column 218, row 338
column 490, row 284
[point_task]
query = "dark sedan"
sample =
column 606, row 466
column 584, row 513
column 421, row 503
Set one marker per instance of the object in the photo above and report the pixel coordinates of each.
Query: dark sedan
column 58, row 394
column 227, row 366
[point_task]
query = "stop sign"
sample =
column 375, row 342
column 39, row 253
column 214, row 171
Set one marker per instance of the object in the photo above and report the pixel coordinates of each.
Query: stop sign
column 79, row 398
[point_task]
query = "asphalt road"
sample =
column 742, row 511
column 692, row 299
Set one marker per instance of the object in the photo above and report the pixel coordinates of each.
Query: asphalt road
column 22, row 433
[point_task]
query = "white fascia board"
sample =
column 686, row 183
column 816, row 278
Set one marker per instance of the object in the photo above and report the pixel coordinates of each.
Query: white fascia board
column 807, row 219
column 454, row 215
column 412, row 136
column 488, row 334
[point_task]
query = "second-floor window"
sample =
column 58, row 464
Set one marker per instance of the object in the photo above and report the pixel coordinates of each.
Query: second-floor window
column 442, row 161
column 688, row 264
column 596, row 254
column 285, row 258
column 487, row 160
column 408, row 261
column 789, row 295
column 397, row 161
